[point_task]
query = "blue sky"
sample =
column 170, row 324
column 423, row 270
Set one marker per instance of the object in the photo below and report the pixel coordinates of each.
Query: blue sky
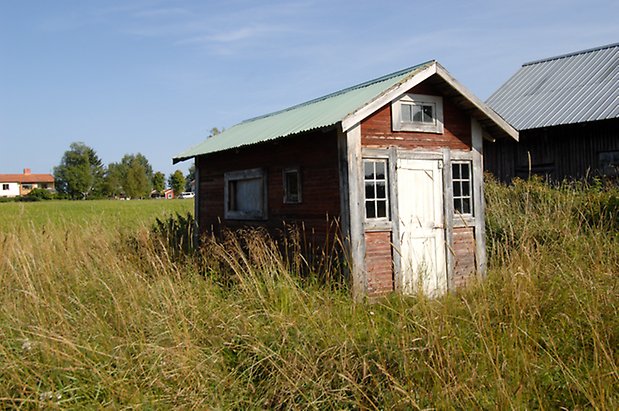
column 155, row 76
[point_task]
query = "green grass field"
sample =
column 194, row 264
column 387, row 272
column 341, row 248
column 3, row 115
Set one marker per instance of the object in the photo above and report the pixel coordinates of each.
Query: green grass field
column 96, row 313
column 115, row 214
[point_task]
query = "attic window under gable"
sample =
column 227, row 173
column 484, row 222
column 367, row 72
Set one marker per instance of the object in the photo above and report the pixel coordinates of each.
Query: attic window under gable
column 417, row 112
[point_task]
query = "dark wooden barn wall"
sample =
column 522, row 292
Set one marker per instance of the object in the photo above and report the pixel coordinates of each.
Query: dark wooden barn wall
column 376, row 132
column 568, row 151
column 315, row 154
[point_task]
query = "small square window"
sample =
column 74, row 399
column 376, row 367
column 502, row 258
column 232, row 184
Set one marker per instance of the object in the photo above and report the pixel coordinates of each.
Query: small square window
column 417, row 112
column 462, row 187
column 292, row 186
column 376, row 198
column 245, row 194
column 609, row 162
column 5, row 187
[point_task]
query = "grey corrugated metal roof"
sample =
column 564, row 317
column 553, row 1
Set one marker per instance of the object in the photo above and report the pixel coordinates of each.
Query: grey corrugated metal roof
column 567, row 89
column 315, row 114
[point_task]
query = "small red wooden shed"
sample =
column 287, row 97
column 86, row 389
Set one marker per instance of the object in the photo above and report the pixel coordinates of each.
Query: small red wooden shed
column 398, row 160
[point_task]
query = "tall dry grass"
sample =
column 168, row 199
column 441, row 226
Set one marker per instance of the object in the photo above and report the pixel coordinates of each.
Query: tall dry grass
column 90, row 319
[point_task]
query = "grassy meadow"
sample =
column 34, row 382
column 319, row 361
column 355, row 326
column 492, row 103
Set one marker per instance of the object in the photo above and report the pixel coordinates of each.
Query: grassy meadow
column 97, row 312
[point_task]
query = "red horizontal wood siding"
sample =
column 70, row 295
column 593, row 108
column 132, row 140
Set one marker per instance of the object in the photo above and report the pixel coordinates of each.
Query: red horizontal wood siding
column 464, row 255
column 379, row 262
column 316, row 156
column 376, row 130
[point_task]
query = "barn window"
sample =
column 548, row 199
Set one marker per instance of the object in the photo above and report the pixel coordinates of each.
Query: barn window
column 462, row 187
column 245, row 194
column 609, row 162
column 292, row 185
column 417, row 112
column 5, row 187
column 376, row 199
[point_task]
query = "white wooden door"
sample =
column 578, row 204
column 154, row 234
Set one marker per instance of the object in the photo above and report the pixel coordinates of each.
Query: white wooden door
column 422, row 235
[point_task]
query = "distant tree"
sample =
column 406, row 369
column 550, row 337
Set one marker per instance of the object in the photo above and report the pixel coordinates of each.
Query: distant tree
column 129, row 159
column 159, row 181
column 113, row 182
column 137, row 184
column 214, row 131
column 176, row 181
column 80, row 173
column 190, row 177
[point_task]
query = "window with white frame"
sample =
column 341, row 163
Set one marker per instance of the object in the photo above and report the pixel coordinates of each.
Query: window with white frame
column 5, row 187
column 462, row 187
column 245, row 193
column 376, row 197
column 292, row 185
column 609, row 162
column 417, row 112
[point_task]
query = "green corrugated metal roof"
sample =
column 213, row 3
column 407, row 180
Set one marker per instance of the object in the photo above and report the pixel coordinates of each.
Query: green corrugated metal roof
column 315, row 114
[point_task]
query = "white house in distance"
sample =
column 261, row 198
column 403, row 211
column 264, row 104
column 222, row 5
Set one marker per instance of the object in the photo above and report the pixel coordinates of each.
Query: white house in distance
column 13, row 185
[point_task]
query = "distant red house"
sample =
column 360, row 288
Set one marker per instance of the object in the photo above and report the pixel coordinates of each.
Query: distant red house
column 168, row 194
column 13, row 185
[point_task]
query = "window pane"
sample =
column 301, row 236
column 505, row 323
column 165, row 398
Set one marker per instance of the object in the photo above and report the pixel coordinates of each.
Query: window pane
column 248, row 195
column 380, row 190
column 457, row 190
column 466, row 206
column 369, row 170
column 292, row 183
column 417, row 114
column 369, row 191
column 465, row 171
column 455, row 171
column 466, row 188
column 428, row 116
column 380, row 170
column 369, row 209
column 406, row 112
column 381, row 206
column 457, row 205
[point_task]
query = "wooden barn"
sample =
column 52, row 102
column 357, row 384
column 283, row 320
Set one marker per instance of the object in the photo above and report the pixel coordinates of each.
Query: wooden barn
column 566, row 109
column 397, row 161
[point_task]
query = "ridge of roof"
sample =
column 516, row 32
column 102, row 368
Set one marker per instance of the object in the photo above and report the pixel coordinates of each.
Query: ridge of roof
column 342, row 91
column 572, row 54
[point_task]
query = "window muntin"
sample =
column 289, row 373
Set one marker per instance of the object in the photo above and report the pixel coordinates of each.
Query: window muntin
column 417, row 112
column 245, row 194
column 376, row 197
column 461, row 177
column 292, row 185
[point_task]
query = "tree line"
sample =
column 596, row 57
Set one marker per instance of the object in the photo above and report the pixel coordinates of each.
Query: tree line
column 81, row 174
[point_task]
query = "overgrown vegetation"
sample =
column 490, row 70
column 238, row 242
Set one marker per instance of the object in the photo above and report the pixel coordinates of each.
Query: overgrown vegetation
column 89, row 320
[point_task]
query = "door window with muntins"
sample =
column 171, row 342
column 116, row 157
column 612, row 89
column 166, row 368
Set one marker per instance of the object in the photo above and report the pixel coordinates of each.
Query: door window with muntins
column 376, row 198
column 462, row 187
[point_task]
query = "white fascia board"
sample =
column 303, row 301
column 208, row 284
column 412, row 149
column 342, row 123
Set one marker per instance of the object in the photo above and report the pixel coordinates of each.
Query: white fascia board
column 481, row 106
column 351, row 120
